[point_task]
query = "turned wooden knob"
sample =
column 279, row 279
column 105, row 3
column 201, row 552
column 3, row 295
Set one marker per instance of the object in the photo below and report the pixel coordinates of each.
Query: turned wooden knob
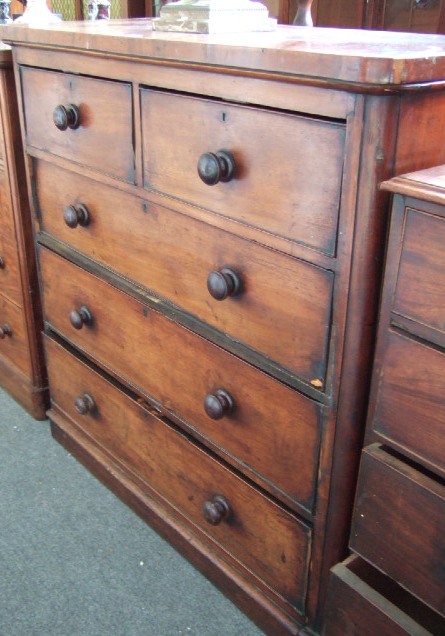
column 216, row 167
column 304, row 16
column 66, row 117
column 84, row 404
column 2, row 262
column 223, row 283
column 80, row 318
column 216, row 510
column 5, row 330
column 75, row 215
column 218, row 404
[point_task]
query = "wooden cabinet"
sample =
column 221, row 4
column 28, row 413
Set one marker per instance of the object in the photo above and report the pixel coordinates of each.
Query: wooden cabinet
column 399, row 512
column 210, row 235
column 418, row 16
column 22, row 371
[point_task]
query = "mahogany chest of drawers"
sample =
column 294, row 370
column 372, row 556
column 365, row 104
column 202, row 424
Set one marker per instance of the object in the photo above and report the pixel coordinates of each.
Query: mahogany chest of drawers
column 210, row 235
column 22, row 371
column 397, row 576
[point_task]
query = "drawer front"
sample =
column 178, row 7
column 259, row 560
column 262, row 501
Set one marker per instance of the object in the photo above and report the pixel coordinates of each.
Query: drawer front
column 104, row 138
column 278, row 293
column 410, row 405
column 10, row 283
column 266, row 539
column 288, row 168
column 270, row 430
column 420, row 289
column 358, row 607
column 398, row 525
column 13, row 336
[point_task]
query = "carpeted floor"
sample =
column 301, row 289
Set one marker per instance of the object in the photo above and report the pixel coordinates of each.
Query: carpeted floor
column 75, row 561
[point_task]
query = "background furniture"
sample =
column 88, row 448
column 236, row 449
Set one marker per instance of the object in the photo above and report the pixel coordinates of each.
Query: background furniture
column 420, row 16
column 22, row 371
column 398, row 578
column 210, row 236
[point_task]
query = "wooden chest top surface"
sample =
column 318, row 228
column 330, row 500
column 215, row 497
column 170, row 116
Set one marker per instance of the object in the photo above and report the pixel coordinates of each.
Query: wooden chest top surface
column 368, row 58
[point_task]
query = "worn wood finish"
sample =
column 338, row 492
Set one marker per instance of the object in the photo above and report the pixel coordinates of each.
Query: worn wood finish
column 175, row 264
column 146, row 329
column 363, row 602
column 180, row 384
column 21, row 360
column 262, row 536
column 288, row 169
column 100, row 120
column 409, row 410
column 385, row 529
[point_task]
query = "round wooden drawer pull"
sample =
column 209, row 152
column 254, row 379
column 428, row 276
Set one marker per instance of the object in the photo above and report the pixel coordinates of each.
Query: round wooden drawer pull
column 218, row 404
column 216, row 167
column 223, row 283
column 80, row 318
column 84, row 404
column 66, row 117
column 5, row 330
column 75, row 215
column 216, row 510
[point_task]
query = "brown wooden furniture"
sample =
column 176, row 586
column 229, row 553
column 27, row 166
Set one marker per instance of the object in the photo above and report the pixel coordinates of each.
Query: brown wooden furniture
column 21, row 359
column 399, row 513
column 210, row 235
column 419, row 16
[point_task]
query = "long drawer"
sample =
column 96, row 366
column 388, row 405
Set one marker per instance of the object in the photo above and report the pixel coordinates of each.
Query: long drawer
column 409, row 410
column 287, row 172
column 269, row 429
column 98, row 134
column 268, row 541
column 398, row 525
column 13, row 335
column 192, row 264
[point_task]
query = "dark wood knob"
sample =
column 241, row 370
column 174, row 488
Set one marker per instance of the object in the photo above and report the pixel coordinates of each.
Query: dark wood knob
column 304, row 16
column 216, row 510
column 216, row 167
column 80, row 318
column 75, row 215
column 84, row 404
column 5, row 330
column 2, row 262
column 218, row 404
column 223, row 283
column 66, row 117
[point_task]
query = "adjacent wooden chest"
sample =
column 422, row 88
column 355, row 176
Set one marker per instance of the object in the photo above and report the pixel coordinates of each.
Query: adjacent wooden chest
column 210, row 239
column 399, row 511
column 22, row 369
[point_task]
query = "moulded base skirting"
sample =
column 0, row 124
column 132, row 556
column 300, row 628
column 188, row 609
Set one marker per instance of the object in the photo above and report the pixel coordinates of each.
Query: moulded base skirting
column 34, row 399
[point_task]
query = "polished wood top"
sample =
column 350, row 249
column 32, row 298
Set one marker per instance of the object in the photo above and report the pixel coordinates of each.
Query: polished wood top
column 427, row 185
column 341, row 57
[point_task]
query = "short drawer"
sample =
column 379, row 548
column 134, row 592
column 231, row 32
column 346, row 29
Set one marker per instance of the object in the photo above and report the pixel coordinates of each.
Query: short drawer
column 103, row 138
column 287, row 172
column 398, row 525
column 268, row 429
column 420, row 287
column 277, row 293
column 267, row 540
column 409, row 406
column 13, row 336
column 363, row 602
